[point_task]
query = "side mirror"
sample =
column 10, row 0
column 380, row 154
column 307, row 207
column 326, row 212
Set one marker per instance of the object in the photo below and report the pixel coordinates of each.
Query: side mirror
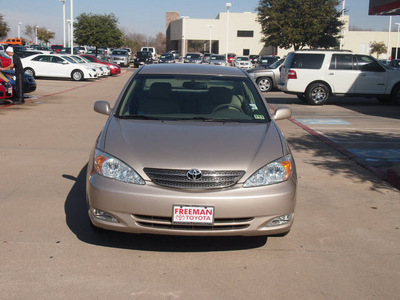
column 282, row 113
column 102, row 107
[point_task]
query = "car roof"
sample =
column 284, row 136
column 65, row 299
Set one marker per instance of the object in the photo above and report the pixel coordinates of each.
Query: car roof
column 191, row 69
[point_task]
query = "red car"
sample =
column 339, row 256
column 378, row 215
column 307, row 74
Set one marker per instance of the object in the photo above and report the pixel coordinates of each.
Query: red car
column 115, row 69
column 5, row 60
column 6, row 90
column 231, row 57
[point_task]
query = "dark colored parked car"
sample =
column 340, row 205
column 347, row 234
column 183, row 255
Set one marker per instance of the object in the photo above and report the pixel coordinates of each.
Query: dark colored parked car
column 166, row 58
column 29, row 84
column 143, row 58
column 266, row 61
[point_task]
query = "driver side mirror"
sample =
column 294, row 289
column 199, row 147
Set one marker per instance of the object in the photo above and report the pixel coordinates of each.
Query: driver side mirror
column 102, row 107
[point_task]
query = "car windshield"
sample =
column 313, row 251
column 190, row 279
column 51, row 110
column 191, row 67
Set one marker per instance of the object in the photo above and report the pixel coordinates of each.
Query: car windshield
column 242, row 58
column 192, row 97
column 268, row 60
column 193, row 56
column 217, row 57
column 276, row 64
column 69, row 59
column 143, row 54
column 91, row 59
column 93, row 51
column 78, row 59
column 168, row 56
column 119, row 52
column 85, row 59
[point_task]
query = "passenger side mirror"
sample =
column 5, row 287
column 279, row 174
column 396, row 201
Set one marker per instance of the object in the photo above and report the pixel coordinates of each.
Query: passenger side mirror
column 102, row 107
column 282, row 113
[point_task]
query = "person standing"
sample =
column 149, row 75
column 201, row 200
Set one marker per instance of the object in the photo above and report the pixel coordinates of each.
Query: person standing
column 16, row 64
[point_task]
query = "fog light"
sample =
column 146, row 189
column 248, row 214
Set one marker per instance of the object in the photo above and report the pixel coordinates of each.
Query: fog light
column 105, row 216
column 280, row 220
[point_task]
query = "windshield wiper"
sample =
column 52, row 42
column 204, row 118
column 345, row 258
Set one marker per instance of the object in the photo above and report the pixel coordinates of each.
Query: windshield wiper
column 139, row 117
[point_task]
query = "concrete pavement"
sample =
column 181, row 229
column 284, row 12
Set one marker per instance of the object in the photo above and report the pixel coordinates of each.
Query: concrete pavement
column 345, row 242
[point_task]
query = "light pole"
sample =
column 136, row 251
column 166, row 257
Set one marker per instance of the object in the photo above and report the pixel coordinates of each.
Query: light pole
column 19, row 29
column 63, row 2
column 390, row 31
column 69, row 32
column 228, row 6
column 397, row 42
column 343, row 30
column 184, row 36
column 211, row 26
column 36, row 27
column 72, row 26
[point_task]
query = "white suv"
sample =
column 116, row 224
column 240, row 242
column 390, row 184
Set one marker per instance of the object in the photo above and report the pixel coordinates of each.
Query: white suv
column 314, row 75
column 152, row 50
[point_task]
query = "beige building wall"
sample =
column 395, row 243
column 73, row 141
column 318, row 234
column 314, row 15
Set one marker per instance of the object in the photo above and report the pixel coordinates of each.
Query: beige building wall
column 185, row 29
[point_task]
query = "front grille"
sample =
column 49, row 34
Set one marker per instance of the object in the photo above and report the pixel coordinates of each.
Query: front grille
column 166, row 223
column 179, row 178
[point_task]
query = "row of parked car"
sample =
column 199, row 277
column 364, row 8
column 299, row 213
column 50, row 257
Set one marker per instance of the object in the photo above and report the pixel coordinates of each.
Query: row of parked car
column 316, row 75
column 44, row 63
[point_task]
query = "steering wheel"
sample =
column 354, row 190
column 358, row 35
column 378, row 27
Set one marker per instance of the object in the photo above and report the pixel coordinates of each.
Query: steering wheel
column 227, row 105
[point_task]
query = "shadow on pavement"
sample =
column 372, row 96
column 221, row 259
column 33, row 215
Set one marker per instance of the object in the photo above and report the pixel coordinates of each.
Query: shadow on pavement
column 335, row 164
column 78, row 221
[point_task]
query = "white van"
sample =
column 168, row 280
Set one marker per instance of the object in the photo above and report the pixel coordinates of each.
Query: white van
column 152, row 50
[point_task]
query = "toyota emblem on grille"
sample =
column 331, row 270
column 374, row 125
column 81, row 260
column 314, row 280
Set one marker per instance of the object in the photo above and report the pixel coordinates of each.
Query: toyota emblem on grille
column 194, row 174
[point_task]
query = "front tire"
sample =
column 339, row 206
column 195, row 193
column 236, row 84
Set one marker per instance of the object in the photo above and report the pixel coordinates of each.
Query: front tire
column 265, row 84
column 77, row 75
column 395, row 96
column 317, row 93
column 29, row 71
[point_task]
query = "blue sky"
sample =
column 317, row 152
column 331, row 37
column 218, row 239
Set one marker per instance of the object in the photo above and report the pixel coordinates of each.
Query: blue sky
column 148, row 17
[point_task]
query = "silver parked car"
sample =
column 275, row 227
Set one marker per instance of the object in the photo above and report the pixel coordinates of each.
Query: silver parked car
column 267, row 78
column 120, row 57
column 193, row 58
column 191, row 150
column 218, row 60
column 242, row 62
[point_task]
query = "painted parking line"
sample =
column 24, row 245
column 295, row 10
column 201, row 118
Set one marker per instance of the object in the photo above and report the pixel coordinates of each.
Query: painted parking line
column 323, row 122
column 390, row 155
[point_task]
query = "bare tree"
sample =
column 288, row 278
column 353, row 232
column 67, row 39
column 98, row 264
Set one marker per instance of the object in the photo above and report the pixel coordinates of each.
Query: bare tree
column 30, row 31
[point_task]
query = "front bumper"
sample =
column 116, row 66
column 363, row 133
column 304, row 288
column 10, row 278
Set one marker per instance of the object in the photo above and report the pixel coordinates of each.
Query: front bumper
column 148, row 209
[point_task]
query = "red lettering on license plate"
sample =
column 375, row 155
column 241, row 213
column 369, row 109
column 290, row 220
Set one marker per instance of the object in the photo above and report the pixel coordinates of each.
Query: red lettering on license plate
column 193, row 215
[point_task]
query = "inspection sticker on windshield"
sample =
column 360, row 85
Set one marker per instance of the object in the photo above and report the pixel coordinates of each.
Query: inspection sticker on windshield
column 260, row 117
column 201, row 215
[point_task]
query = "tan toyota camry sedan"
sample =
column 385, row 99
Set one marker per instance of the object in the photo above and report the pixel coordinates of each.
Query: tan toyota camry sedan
column 191, row 150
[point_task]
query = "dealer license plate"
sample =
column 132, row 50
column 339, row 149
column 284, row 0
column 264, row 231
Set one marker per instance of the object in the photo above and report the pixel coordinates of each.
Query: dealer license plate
column 9, row 91
column 193, row 215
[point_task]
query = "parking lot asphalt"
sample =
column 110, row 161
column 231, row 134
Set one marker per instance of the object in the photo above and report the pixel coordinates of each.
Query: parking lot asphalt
column 362, row 129
column 344, row 244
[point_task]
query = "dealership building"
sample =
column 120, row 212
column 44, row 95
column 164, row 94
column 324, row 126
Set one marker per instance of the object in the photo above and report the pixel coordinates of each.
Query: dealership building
column 240, row 33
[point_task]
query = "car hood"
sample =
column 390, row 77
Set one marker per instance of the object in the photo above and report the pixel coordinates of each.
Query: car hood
column 192, row 144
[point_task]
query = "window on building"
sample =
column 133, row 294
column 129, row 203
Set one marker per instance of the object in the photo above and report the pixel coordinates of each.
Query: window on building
column 245, row 33
column 246, row 52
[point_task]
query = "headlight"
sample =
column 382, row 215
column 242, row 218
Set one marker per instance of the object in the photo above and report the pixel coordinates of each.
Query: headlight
column 275, row 172
column 111, row 167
